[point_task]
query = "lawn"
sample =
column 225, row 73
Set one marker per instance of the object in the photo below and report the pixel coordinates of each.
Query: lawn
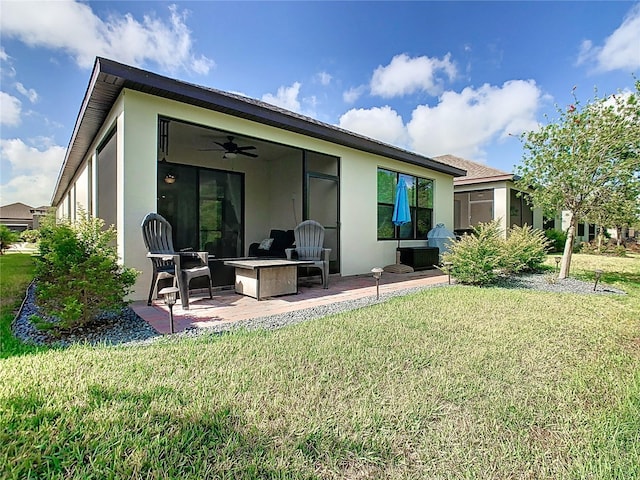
column 453, row 382
column 16, row 272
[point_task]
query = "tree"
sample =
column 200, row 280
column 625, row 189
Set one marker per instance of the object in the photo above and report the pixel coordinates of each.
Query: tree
column 620, row 210
column 7, row 238
column 571, row 164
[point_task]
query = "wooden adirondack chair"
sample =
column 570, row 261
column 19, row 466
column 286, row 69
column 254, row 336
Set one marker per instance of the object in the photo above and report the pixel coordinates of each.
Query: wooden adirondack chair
column 167, row 263
column 310, row 247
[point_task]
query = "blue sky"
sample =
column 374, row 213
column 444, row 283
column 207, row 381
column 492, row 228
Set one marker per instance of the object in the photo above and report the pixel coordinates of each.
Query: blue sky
column 464, row 78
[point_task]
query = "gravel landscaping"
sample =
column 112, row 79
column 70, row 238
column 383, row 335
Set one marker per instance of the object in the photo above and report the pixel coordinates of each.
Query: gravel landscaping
column 129, row 329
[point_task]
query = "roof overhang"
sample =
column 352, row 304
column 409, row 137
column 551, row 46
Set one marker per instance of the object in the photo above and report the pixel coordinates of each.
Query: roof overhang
column 109, row 78
column 495, row 178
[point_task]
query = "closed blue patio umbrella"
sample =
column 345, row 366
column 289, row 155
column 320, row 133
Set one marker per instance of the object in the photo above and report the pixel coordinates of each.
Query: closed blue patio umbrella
column 401, row 215
column 401, row 212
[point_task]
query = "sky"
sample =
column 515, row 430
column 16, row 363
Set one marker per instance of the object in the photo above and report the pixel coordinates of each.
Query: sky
column 460, row 78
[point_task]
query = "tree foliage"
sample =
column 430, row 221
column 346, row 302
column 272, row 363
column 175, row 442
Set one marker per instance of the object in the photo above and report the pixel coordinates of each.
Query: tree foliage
column 575, row 162
column 7, row 238
column 78, row 272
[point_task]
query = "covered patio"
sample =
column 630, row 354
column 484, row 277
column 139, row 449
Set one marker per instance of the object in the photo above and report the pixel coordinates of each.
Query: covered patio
column 228, row 307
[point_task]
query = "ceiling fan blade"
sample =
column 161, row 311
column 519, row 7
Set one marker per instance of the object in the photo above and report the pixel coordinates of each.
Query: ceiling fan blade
column 249, row 147
column 240, row 152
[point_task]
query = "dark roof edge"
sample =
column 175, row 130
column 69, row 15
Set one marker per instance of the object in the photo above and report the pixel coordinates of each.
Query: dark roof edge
column 264, row 113
column 494, row 178
column 76, row 127
column 154, row 84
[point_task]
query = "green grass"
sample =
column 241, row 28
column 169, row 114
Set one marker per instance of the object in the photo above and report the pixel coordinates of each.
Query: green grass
column 16, row 272
column 458, row 382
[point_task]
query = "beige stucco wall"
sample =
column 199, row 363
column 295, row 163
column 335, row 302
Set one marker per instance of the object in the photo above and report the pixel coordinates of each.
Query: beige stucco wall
column 361, row 251
column 135, row 115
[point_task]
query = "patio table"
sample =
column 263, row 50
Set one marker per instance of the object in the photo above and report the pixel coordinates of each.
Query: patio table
column 262, row 278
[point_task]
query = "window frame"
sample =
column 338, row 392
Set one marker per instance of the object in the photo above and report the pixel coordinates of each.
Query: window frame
column 417, row 211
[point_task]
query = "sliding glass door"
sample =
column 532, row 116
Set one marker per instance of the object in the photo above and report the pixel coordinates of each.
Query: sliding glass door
column 204, row 206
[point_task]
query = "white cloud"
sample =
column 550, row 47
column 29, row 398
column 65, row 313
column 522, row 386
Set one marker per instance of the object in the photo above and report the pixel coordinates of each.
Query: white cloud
column 381, row 123
column 621, row 49
column 324, row 78
column 33, row 172
column 351, row 95
column 464, row 123
column 119, row 37
column 3, row 54
column 287, row 97
column 30, row 93
column 10, row 109
column 405, row 75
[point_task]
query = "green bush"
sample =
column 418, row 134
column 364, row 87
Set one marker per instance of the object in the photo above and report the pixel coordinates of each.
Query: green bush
column 476, row 257
column 7, row 238
column 78, row 272
column 619, row 251
column 30, row 236
column 557, row 239
column 588, row 248
column 524, row 250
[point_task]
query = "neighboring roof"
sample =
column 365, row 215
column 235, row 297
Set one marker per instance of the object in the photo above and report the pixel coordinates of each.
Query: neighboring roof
column 476, row 172
column 42, row 209
column 17, row 211
column 109, row 78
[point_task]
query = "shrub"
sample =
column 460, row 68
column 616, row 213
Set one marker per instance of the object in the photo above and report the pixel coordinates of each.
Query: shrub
column 476, row 257
column 78, row 272
column 557, row 239
column 30, row 236
column 619, row 251
column 588, row 248
column 524, row 250
column 7, row 238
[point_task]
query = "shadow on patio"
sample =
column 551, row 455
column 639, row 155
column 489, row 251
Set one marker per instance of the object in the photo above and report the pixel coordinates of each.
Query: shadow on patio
column 228, row 306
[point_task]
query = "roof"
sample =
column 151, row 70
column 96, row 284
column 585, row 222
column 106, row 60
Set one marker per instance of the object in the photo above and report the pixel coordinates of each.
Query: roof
column 109, row 78
column 17, row 211
column 476, row 172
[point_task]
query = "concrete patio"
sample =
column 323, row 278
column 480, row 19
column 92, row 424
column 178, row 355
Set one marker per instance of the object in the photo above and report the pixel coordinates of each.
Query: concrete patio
column 228, row 306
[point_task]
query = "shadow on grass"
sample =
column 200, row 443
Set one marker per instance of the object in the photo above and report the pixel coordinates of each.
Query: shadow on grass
column 626, row 278
column 126, row 433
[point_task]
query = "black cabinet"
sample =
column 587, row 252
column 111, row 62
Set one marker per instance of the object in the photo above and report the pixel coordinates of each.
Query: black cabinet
column 420, row 258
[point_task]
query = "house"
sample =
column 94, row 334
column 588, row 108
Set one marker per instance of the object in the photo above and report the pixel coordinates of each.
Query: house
column 19, row 217
column 225, row 169
column 486, row 194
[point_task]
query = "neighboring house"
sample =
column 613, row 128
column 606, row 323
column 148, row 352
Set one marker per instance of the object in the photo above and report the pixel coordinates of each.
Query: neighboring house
column 585, row 232
column 226, row 169
column 485, row 194
column 19, row 217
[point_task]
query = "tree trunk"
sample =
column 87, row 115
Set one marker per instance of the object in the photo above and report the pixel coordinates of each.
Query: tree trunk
column 568, row 249
column 600, row 238
column 619, row 235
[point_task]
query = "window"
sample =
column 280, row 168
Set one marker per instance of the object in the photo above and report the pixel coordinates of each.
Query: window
column 520, row 212
column 472, row 208
column 420, row 193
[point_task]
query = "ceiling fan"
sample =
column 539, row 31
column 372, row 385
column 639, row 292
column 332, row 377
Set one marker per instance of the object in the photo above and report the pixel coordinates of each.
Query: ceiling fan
column 231, row 149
